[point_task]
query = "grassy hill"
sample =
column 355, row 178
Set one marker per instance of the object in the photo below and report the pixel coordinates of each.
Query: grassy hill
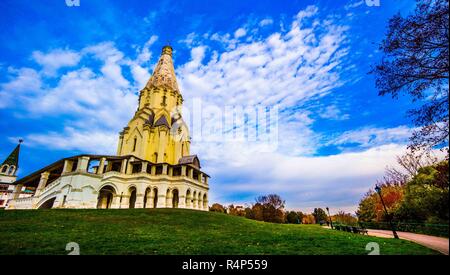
column 175, row 231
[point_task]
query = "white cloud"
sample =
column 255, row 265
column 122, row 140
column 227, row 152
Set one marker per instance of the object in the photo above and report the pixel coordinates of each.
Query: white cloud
column 87, row 97
column 89, row 141
column 189, row 40
column 373, row 136
column 85, row 100
column 112, row 58
column 308, row 12
column 140, row 74
column 144, row 54
column 337, row 181
column 332, row 112
column 290, row 70
column 265, row 22
column 287, row 70
column 240, row 32
column 25, row 82
column 283, row 69
column 56, row 59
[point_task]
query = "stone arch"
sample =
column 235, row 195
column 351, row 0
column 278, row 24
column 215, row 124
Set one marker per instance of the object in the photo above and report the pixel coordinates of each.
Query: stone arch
column 175, row 198
column 116, row 189
column 155, row 197
column 205, row 201
column 105, row 197
column 194, row 199
column 199, row 201
column 147, row 196
column 48, row 204
column 132, row 191
column 188, row 198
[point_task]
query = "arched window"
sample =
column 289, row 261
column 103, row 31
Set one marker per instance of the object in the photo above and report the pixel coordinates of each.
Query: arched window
column 11, row 169
column 4, row 168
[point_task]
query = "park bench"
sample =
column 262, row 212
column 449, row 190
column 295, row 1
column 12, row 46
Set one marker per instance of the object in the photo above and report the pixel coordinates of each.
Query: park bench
column 364, row 231
column 351, row 229
column 359, row 230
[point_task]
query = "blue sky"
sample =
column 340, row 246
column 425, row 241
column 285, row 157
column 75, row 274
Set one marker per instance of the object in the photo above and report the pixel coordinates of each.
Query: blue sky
column 70, row 77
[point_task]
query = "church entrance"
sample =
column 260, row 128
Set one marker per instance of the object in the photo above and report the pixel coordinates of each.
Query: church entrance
column 105, row 197
column 132, row 197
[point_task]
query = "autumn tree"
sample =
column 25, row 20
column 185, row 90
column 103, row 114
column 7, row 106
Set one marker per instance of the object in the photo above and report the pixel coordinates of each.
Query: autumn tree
column 292, row 217
column 255, row 212
column 371, row 209
column 300, row 216
column 367, row 207
column 426, row 196
column 272, row 208
column 408, row 166
column 308, row 219
column 415, row 63
column 344, row 218
column 320, row 215
column 216, row 207
column 236, row 210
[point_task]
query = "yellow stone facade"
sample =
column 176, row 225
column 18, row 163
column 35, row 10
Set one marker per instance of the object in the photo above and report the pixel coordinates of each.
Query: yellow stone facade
column 157, row 132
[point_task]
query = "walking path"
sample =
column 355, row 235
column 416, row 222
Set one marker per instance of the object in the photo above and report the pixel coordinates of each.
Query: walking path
column 437, row 243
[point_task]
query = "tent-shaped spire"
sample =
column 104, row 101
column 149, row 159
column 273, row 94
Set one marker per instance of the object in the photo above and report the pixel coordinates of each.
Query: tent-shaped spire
column 13, row 158
column 164, row 74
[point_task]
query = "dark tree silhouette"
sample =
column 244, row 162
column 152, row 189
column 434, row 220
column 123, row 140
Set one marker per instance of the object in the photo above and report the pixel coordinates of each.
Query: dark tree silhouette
column 415, row 62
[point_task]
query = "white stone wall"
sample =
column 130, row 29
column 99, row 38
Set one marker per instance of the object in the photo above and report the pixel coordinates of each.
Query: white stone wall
column 81, row 190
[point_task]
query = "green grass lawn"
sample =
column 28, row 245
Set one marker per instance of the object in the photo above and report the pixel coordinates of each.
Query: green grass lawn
column 175, row 231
